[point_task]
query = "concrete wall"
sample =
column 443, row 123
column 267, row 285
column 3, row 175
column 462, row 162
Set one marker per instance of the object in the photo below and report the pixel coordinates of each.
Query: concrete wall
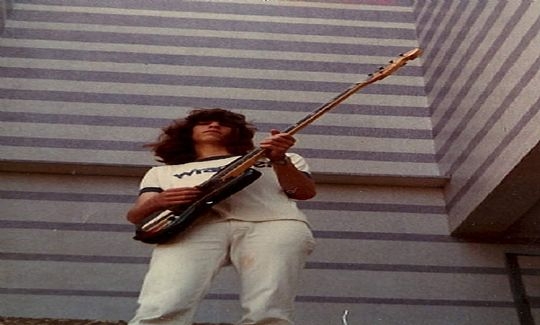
column 73, row 70
column 383, row 254
column 482, row 77
column 82, row 86
column 5, row 10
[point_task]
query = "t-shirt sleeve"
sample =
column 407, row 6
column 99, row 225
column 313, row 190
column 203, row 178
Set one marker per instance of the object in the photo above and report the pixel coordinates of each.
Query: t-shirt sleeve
column 150, row 182
column 299, row 162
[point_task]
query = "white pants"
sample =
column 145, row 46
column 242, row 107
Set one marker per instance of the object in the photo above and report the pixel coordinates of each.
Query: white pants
column 268, row 256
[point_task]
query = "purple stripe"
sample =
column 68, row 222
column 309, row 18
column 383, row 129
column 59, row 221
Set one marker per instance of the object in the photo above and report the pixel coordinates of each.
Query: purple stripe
column 160, row 122
column 210, row 24
column 362, row 235
column 531, row 113
column 309, row 265
column 114, row 145
column 349, row 235
column 469, row 53
column 127, row 228
column 101, row 120
column 70, row 197
column 446, row 32
column 74, row 258
column 490, row 55
column 458, row 40
column 81, row 144
column 149, row 122
column 67, row 292
column 418, row 6
column 309, row 299
column 443, row 11
column 190, row 60
column 357, row 235
column 233, row 104
column 421, row 23
column 372, row 207
column 403, row 3
column 221, row 25
column 404, row 268
column 243, row 9
column 313, row 205
column 367, row 155
column 503, row 106
column 405, row 301
column 67, row 226
column 207, row 81
column 202, row 42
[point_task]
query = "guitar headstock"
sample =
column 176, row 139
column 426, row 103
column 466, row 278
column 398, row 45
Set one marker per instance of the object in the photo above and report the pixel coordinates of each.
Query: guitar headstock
column 394, row 65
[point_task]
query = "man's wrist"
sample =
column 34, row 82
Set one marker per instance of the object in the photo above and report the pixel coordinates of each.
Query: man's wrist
column 282, row 161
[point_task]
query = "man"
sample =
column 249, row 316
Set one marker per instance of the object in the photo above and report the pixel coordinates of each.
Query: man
column 259, row 230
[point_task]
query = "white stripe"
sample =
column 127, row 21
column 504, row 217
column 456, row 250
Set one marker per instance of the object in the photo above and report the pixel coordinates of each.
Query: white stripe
column 337, row 117
column 85, row 156
column 431, row 24
column 198, row 51
column 183, row 70
column 214, row 16
column 144, row 158
column 210, row 33
column 445, row 45
column 207, row 92
column 305, row 4
column 144, row 134
column 440, row 28
column 440, row 79
column 365, row 167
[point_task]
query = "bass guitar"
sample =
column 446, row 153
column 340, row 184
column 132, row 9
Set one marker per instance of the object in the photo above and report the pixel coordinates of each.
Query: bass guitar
column 162, row 225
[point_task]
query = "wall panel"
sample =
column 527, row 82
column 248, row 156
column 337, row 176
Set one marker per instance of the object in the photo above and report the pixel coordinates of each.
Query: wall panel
column 482, row 89
column 395, row 256
column 74, row 69
column 85, row 84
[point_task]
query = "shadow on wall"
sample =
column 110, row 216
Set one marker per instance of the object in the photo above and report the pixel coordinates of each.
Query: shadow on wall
column 5, row 8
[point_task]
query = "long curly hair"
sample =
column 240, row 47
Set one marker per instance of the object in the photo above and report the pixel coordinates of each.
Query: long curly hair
column 175, row 144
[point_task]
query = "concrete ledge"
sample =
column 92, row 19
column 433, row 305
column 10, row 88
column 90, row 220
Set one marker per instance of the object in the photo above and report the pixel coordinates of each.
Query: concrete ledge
column 507, row 205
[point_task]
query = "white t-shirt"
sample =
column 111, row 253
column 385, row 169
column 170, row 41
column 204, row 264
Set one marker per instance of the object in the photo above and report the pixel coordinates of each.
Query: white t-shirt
column 263, row 200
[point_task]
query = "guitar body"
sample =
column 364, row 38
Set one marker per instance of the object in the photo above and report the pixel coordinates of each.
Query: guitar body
column 162, row 226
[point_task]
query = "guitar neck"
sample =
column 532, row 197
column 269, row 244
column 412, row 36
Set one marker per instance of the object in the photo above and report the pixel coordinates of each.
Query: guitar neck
column 241, row 164
column 307, row 120
column 238, row 166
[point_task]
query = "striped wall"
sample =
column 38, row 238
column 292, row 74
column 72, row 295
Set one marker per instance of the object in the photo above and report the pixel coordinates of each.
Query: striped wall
column 482, row 78
column 73, row 69
column 84, row 83
column 384, row 256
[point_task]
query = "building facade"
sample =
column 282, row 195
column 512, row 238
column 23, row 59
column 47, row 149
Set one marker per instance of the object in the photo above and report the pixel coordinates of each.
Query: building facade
column 428, row 188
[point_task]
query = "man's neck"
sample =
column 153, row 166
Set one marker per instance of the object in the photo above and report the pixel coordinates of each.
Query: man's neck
column 208, row 151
